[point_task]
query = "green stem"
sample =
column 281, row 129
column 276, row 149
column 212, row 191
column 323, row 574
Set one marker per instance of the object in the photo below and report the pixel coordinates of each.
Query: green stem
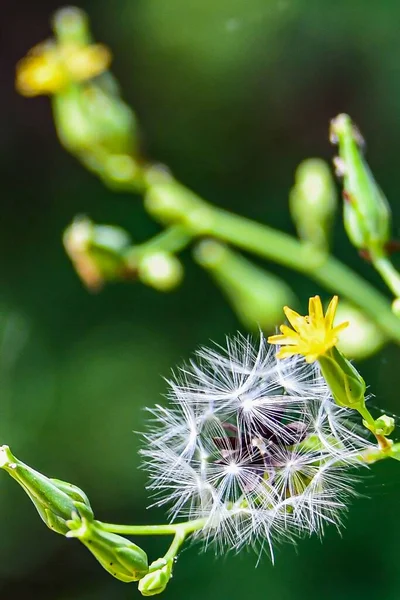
column 164, row 529
column 177, row 542
column 284, row 249
column 388, row 273
column 366, row 415
column 376, row 453
column 173, row 239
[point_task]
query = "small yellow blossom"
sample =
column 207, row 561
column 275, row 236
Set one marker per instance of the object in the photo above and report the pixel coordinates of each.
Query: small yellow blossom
column 50, row 67
column 312, row 335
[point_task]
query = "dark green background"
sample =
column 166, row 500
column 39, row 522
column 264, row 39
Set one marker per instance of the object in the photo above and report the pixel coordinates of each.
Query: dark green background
column 231, row 94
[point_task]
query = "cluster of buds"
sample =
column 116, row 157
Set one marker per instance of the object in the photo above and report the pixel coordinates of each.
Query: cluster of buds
column 104, row 253
column 91, row 119
column 65, row 509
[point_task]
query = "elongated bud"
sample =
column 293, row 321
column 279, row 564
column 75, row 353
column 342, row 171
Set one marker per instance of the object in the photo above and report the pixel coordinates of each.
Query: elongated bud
column 156, row 580
column 97, row 252
column 256, row 296
column 91, row 119
column 367, row 215
column 160, row 270
column 123, row 559
column 96, row 125
column 313, row 202
column 345, row 382
column 53, row 499
column 362, row 338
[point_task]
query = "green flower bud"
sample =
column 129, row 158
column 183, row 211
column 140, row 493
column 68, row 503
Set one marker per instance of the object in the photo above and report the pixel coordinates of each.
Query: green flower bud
column 313, row 202
column 53, row 499
column 123, row 559
column 96, row 125
column 362, row 338
column 156, row 580
column 345, row 382
column 367, row 215
column 255, row 295
column 71, row 25
column 92, row 121
column 97, row 252
column 384, row 425
column 160, row 270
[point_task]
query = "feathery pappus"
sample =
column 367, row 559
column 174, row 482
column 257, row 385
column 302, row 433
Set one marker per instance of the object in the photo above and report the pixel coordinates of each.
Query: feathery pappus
column 254, row 445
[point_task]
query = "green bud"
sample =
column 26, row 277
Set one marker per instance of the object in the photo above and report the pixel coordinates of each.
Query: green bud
column 255, row 295
column 362, row 338
column 97, row 252
column 91, row 119
column 156, row 580
column 313, row 202
column 95, row 125
column 71, row 25
column 160, row 270
column 53, row 499
column 367, row 215
column 123, row 559
column 384, row 425
column 345, row 382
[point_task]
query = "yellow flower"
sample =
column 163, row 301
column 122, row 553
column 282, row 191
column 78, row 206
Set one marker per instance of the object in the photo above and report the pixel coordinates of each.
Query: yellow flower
column 48, row 67
column 312, row 335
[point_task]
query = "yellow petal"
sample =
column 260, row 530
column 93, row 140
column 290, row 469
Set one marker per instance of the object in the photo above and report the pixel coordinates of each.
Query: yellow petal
column 278, row 339
column 289, row 332
column 88, row 62
column 330, row 312
column 286, row 352
column 340, row 327
column 293, row 317
column 315, row 308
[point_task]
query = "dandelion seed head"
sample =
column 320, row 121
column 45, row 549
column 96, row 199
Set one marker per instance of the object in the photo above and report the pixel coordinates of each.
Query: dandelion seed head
column 254, row 445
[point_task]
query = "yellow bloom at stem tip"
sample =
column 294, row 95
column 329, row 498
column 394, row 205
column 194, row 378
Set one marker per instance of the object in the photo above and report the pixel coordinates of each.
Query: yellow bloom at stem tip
column 312, row 335
column 50, row 67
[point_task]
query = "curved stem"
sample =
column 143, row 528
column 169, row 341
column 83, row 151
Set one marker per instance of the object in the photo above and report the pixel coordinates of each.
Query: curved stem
column 377, row 453
column 326, row 270
column 180, row 531
column 388, row 273
column 184, row 207
column 173, row 239
column 177, row 542
column 163, row 529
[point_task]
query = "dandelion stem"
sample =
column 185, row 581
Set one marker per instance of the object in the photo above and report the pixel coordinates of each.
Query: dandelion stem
column 176, row 529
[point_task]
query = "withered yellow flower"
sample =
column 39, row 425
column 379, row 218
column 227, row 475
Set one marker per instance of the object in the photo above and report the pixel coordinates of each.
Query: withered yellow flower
column 313, row 335
column 49, row 67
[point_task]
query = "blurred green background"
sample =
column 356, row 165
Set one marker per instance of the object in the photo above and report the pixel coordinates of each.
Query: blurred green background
column 232, row 95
